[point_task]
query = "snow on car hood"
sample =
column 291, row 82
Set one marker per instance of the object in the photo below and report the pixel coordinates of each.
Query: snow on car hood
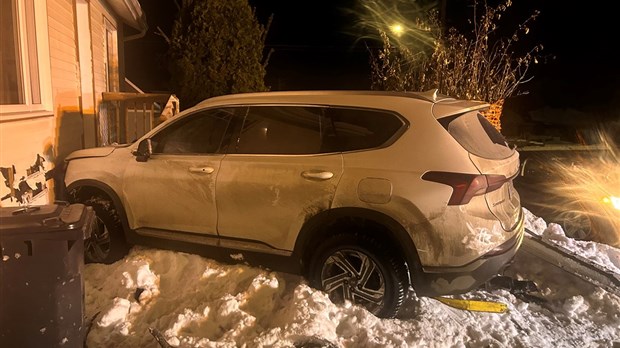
column 93, row 152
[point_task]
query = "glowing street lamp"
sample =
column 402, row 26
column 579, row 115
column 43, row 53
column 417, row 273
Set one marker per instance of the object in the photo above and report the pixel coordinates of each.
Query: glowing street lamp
column 397, row 29
column 614, row 201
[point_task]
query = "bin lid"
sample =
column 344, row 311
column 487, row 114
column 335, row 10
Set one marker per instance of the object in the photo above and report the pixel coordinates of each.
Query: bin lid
column 41, row 218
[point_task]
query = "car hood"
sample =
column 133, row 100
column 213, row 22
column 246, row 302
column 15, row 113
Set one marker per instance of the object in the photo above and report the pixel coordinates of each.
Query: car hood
column 92, row 152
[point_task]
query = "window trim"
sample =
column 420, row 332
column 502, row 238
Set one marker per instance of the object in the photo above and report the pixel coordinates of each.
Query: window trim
column 112, row 68
column 227, row 137
column 324, row 106
column 240, row 117
column 10, row 112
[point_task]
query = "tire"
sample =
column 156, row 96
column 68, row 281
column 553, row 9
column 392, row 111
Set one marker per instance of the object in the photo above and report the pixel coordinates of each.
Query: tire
column 338, row 267
column 107, row 242
column 576, row 224
column 589, row 223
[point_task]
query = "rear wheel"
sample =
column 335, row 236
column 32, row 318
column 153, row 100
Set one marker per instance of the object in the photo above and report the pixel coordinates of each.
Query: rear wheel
column 357, row 268
column 107, row 242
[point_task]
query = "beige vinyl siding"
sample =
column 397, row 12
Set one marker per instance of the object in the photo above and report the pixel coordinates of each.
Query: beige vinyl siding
column 33, row 145
column 97, row 37
column 65, row 77
column 27, row 141
column 24, row 142
column 20, row 144
column 58, row 13
column 63, row 57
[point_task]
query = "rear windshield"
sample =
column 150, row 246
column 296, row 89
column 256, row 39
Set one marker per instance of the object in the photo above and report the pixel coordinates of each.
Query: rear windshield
column 477, row 135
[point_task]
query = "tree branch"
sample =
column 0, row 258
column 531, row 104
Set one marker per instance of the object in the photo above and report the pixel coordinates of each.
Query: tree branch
column 162, row 34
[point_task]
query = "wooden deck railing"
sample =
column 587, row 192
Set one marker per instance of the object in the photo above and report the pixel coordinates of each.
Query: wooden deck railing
column 124, row 117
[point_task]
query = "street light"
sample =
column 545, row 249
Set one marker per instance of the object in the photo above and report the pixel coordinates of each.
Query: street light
column 397, row 29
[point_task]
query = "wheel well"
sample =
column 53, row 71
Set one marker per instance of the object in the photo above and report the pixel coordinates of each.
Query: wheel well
column 82, row 193
column 356, row 220
column 79, row 192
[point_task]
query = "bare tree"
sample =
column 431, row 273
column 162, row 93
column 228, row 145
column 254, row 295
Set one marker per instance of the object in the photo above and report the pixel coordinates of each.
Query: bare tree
column 481, row 65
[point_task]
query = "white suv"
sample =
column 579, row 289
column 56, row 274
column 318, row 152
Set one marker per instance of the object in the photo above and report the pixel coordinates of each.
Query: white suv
column 365, row 193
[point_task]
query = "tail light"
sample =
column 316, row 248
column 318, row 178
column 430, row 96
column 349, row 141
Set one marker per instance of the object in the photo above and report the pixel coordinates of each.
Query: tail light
column 466, row 186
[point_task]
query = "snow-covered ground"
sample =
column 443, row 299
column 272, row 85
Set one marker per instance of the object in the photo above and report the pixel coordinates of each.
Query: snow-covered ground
column 197, row 302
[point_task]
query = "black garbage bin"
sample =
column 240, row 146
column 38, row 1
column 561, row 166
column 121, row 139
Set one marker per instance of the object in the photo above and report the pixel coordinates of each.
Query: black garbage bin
column 41, row 266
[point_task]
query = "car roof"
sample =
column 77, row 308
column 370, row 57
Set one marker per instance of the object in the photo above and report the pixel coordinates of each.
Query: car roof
column 275, row 96
column 442, row 105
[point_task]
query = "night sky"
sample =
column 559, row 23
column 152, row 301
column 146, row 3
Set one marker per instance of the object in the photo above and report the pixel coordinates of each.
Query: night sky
column 316, row 47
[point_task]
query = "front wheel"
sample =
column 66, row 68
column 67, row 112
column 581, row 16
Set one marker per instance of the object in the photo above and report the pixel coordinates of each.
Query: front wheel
column 107, row 242
column 357, row 268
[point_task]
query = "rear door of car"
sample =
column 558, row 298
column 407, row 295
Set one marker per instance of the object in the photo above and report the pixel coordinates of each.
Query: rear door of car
column 275, row 178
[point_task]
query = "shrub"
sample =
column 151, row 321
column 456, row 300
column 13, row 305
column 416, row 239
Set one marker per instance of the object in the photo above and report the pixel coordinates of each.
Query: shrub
column 216, row 47
column 480, row 65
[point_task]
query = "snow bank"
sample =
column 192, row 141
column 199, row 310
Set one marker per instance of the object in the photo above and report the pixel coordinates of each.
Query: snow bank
column 197, row 302
column 602, row 254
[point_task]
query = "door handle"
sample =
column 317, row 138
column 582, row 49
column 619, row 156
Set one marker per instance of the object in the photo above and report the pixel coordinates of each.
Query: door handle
column 201, row 170
column 317, row 175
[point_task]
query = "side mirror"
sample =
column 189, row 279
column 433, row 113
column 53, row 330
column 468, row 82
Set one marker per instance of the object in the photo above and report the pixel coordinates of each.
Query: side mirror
column 144, row 151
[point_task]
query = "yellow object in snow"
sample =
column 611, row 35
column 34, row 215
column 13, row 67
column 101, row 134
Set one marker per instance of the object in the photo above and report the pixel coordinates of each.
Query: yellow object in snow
column 474, row 305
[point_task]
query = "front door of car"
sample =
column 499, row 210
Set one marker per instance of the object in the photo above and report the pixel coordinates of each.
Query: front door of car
column 275, row 179
column 174, row 190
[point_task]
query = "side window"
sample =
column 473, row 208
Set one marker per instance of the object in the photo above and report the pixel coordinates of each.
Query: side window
column 200, row 133
column 357, row 129
column 281, row 130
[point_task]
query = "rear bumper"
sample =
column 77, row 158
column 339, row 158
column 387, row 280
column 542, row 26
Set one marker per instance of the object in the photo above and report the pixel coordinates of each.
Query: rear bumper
column 438, row 281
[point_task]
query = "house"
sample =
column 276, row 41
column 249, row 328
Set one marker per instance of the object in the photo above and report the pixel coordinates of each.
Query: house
column 58, row 59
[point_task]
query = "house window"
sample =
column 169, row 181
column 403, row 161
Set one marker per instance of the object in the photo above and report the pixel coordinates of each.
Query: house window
column 23, row 37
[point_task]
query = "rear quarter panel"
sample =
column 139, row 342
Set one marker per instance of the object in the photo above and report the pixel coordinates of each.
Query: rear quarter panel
column 420, row 206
